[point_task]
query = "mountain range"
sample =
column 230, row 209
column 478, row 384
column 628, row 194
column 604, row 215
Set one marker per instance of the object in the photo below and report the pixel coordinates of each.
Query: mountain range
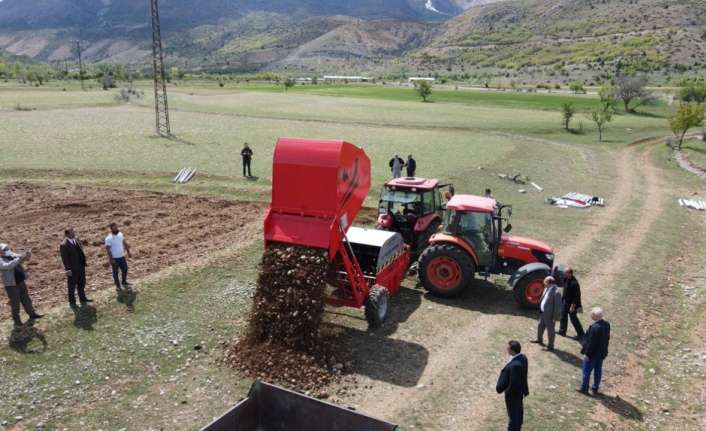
column 529, row 38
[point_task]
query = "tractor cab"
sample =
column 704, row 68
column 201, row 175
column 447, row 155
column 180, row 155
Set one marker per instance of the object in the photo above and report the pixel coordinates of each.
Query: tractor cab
column 475, row 239
column 413, row 207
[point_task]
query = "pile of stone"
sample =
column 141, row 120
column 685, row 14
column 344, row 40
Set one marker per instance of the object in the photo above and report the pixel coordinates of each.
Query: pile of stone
column 285, row 342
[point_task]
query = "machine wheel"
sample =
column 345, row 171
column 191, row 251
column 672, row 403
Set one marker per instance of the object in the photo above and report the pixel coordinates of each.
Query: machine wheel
column 445, row 270
column 377, row 304
column 424, row 237
column 528, row 290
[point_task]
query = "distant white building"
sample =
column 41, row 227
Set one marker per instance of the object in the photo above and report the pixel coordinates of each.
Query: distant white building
column 340, row 78
column 411, row 80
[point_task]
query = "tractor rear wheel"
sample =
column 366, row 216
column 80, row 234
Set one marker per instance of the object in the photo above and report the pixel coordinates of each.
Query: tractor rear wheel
column 529, row 289
column 445, row 270
column 377, row 305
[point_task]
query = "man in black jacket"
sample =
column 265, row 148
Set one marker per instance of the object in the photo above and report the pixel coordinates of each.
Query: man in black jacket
column 246, row 154
column 513, row 382
column 411, row 166
column 74, row 260
column 570, row 305
column 595, row 350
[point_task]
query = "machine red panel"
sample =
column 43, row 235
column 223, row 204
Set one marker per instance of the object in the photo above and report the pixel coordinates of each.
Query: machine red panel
column 317, row 186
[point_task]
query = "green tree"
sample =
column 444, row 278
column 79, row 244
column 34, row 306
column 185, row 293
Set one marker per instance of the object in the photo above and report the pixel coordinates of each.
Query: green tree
column 687, row 116
column 693, row 91
column 423, row 88
column 632, row 91
column 567, row 112
column 577, row 87
column 601, row 116
column 607, row 95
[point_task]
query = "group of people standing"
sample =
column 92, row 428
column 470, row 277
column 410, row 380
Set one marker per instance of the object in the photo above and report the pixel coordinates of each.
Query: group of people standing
column 555, row 305
column 397, row 163
column 74, row 264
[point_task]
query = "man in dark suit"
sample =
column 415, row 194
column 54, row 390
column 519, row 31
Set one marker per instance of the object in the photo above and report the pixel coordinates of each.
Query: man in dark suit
column 595, row 349
column 513, row 382
column 570, row 305
column 74, row 261
column 411, row 166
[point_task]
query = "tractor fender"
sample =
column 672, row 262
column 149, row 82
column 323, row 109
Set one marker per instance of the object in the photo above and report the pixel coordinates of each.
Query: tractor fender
column 444, row 238
column 528, row 269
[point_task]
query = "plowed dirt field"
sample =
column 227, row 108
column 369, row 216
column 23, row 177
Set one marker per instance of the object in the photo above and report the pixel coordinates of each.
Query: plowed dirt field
column 162, row 229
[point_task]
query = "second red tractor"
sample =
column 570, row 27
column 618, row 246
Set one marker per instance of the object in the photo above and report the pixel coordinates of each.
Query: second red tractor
column 457, row 237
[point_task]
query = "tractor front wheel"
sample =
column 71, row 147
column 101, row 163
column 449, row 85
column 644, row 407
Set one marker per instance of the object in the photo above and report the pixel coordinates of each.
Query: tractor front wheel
column 445, row 270
column 529, row 289
column 377, row 304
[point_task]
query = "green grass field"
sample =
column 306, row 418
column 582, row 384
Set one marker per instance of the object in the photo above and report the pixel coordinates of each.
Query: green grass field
column 432, row 367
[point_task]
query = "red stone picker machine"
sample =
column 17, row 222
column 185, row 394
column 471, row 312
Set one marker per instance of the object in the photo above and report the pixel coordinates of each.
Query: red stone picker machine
column 318, row 188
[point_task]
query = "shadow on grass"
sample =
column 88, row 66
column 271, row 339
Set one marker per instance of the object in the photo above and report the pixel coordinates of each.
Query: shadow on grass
column 27, row 339
column 644, row 114
column 376, row 355
column 568, row 357
column 85, row 317
column 398, row 362
column 694, row 148
column 486, row 297
column 252, row 178
column 620, row 406
column 179, row 140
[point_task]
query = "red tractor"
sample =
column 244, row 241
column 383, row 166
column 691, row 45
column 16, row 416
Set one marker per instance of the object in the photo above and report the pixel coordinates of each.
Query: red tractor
column 474, row 240
column 413, row 207
column 318, row 188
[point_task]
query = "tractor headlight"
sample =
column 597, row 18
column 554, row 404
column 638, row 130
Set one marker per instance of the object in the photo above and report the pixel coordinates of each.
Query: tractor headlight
column 550, row 257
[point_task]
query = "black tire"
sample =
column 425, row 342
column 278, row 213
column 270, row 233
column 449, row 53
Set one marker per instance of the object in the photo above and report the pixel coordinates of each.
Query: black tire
column 466, row 269
column 520, row 291
column 423, row 240
column 377, row 305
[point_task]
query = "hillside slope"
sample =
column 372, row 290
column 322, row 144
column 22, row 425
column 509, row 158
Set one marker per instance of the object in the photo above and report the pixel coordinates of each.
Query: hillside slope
column 586, row 37
column 530, row 40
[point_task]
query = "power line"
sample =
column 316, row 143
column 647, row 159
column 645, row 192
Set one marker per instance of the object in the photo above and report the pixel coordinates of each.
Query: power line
column 161, row 107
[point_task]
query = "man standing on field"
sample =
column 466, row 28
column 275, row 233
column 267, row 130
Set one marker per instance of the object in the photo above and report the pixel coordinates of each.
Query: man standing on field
column 246, row 154
column 116, row 246
column 13, row 279
column 74, row 260
column 550, row 311
column 513, row 382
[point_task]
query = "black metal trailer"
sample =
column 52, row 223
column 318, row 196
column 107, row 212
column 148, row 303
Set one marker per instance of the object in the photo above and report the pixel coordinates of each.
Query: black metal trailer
column 272, row 408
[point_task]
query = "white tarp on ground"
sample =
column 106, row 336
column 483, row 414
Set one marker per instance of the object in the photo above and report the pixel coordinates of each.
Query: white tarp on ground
column 696, row 204
column 576, row 200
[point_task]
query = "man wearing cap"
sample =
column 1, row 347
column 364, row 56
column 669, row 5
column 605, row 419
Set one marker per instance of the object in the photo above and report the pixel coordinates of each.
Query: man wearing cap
column 13, row 279
column 74, row 260
column 550, row 310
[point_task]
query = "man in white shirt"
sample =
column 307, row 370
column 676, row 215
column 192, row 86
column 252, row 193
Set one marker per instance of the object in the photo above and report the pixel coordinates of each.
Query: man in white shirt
column 550, row 310
column 116, row 246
